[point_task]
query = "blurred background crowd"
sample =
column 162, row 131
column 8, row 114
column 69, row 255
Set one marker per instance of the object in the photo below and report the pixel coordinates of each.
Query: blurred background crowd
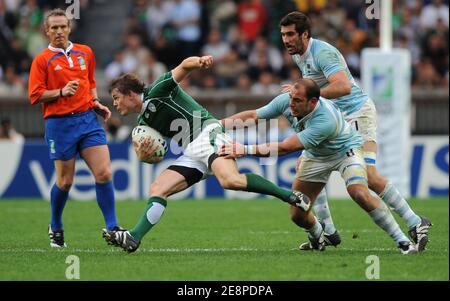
column 242, row 35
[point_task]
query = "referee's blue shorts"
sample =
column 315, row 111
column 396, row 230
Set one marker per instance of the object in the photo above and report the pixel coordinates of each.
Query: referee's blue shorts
column 67, row 135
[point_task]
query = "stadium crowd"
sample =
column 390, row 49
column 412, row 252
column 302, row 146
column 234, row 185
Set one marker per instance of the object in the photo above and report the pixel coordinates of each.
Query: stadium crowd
column 243, row 36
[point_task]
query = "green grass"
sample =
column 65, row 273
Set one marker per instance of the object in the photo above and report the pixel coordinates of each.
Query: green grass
column 214, row 240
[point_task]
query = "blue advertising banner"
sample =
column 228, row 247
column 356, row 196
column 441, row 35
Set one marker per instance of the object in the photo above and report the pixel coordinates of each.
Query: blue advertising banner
column 27, row 172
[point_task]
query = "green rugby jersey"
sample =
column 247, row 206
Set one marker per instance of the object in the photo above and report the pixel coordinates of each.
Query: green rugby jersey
column 171, row 111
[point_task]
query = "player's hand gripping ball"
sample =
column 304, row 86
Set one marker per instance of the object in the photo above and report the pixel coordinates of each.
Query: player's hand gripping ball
column 142, row 131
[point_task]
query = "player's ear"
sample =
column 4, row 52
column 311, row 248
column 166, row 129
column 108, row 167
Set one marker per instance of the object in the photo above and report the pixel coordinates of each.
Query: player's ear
column 313, row 99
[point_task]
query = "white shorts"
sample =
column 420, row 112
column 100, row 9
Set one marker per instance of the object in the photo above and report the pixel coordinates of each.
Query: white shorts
column 198, row 153
column 351, row 167
column 364, row 121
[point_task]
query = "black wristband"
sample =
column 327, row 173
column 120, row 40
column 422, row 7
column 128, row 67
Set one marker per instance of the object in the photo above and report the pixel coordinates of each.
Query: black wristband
column 60, row 93
column 96, row 99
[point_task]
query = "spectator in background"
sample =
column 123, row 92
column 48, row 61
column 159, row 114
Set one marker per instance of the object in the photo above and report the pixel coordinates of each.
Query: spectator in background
column 334, row 15
column 185, row 17
column 436, row 50
column 8, row 22
column 432, row 12
column 165, row 51
column 230, row 68
column 241, row 43
column 244, row 83
column 116, row 67
column 265, row 85
column 216, row 46
column 288, row 63
column 427, row 75
column 293, row 75
column 276, row 9
column 342, row 23
column 208, row 81
column 12, row 5
column 158, row 15
column 31, row 11
column 252, row 17
column 31, row 37
column 139, row 11
column 19, row 57
column 222, row 14
column 154, row 68
column 311, row 6
column 135, row 55
column 262, row 48
column 13, row 84
column 7, row 132
column 262, row 65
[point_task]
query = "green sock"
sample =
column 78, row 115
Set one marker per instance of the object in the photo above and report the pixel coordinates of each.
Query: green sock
column 152, row 214
column 258, row 184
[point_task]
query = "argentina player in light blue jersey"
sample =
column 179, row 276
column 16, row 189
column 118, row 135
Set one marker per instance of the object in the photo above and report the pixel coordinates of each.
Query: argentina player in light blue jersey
column 326, row 66
column 329, row 144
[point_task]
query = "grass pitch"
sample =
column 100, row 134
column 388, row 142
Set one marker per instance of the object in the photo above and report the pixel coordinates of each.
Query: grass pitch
column 214, row 240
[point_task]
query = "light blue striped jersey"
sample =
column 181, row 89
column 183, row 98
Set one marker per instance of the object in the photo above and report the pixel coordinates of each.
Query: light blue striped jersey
column 321, row 60
column 324, row 132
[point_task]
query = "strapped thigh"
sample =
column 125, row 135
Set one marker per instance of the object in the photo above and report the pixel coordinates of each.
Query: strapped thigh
column 370, row 158
column 353, row 169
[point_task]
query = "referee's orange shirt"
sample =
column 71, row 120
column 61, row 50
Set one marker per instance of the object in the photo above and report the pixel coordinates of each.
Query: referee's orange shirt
column 53, row 68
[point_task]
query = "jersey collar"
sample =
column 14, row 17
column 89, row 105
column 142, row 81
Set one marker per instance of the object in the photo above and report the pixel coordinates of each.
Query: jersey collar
column 308, row 49
column 144, row 104
column 64, row 51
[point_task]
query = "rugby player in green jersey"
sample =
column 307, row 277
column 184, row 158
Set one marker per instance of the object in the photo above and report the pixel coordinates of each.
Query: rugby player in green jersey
column 167, row 108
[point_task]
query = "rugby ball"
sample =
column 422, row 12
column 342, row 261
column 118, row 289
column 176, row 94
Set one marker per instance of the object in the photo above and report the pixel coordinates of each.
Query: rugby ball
column 142, row 131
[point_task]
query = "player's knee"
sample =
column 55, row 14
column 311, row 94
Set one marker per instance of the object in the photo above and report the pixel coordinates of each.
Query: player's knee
column 156, row 189
column 231, row 182
column 362, row 196
column 228, row 184
column 103, row 175
column 64, row 184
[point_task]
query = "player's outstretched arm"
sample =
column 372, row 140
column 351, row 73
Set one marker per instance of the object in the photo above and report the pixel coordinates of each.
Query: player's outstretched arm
column 190, row 64
column 236, row 150
column 240, row 120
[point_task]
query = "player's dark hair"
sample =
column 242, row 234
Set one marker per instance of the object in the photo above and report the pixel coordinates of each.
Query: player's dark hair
column 127, row 83
column 300, row 20
column 312, row 90
column 56, row 13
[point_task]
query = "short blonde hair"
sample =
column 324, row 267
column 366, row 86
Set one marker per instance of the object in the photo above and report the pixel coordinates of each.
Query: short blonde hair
column 56, row 13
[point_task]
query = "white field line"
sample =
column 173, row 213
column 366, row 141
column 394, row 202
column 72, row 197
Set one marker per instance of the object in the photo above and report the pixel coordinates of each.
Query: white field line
column 117, row 250
column 192, row 250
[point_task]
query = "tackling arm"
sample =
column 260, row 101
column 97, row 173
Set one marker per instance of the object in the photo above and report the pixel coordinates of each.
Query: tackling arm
column 288, row 145
column 238, row 120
